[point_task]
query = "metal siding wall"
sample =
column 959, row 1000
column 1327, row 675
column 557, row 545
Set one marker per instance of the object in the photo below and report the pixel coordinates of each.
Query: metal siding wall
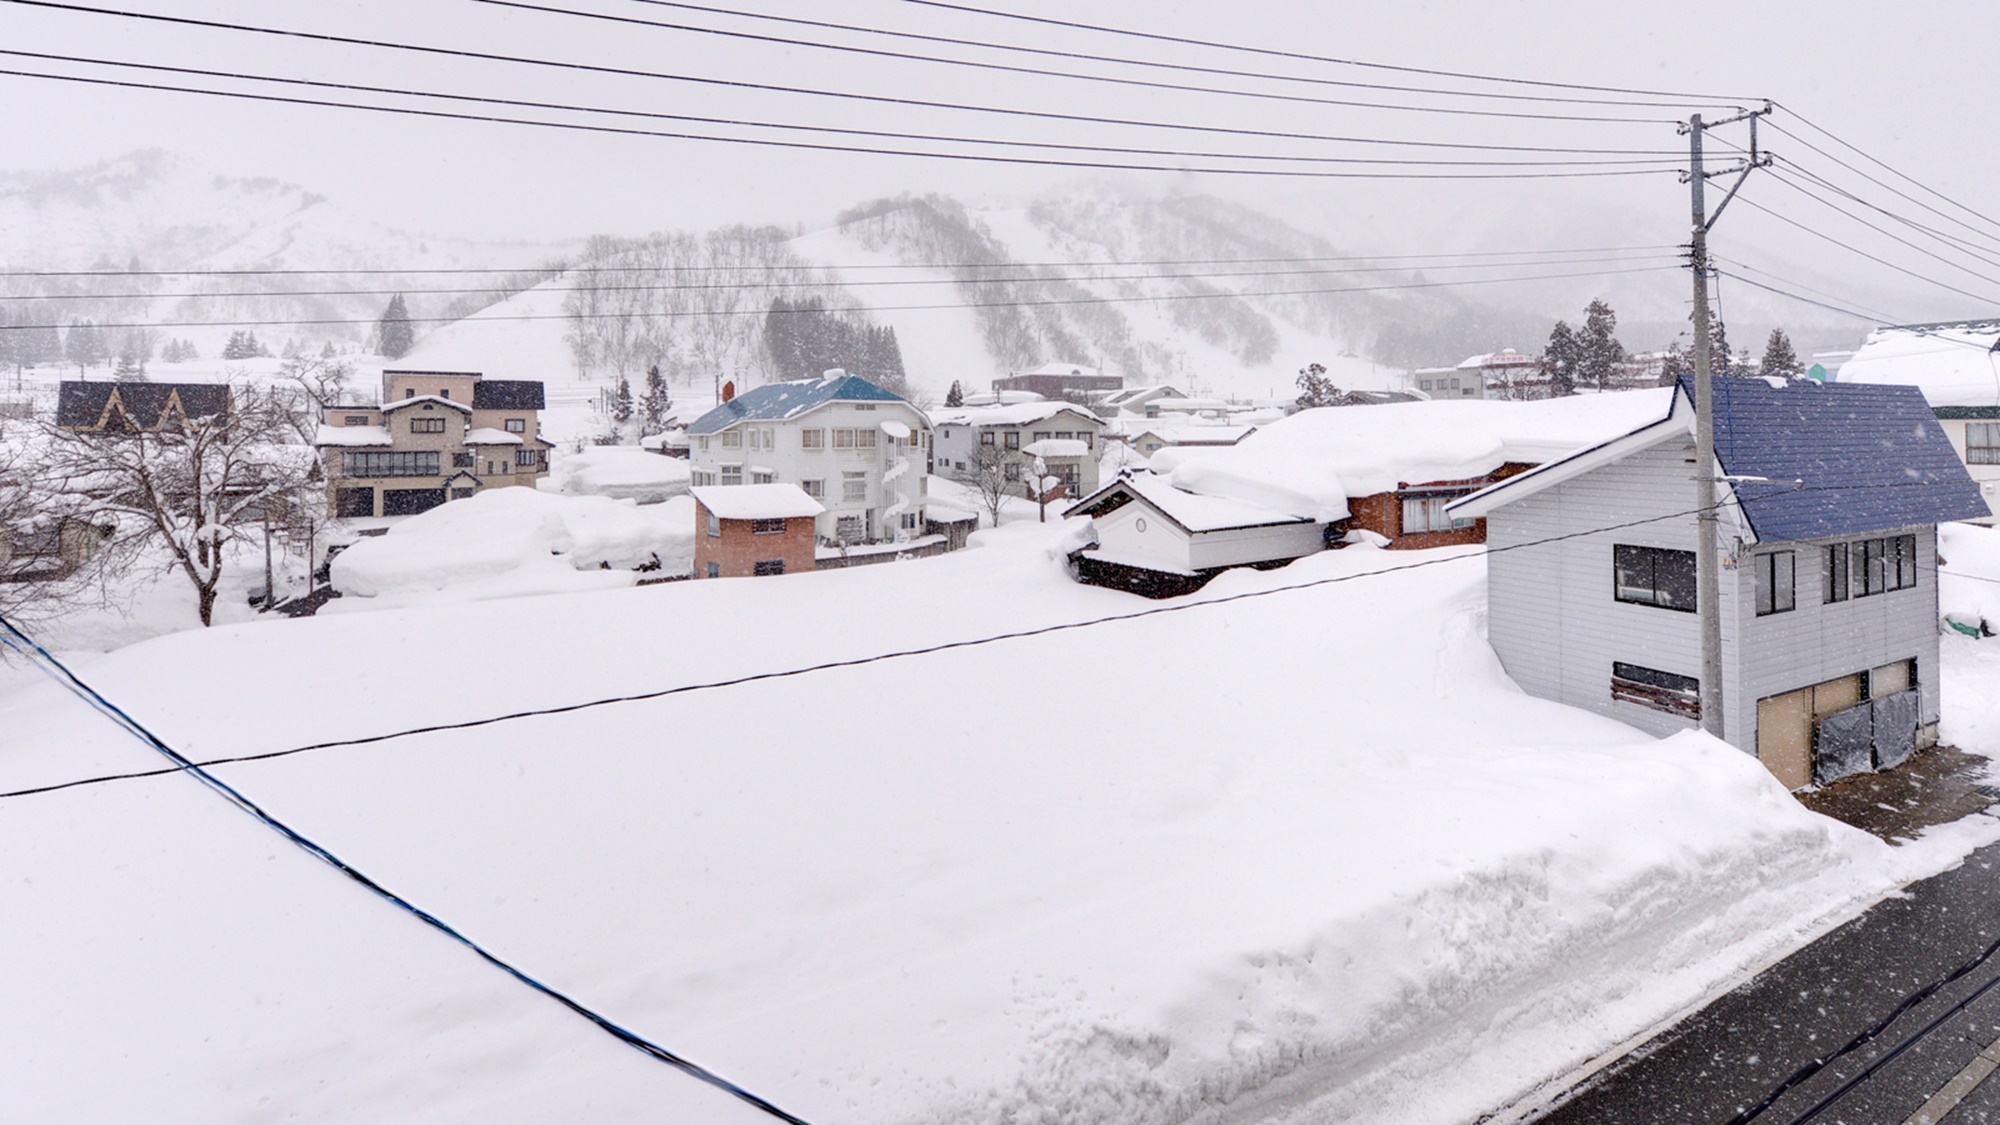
column 1255, row 544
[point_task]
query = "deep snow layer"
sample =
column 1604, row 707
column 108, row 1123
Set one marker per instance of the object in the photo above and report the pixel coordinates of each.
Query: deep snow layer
column 1306, row 855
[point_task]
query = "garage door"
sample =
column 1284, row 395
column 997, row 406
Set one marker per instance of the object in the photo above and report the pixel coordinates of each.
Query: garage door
column 352, row 502
column 410, row 501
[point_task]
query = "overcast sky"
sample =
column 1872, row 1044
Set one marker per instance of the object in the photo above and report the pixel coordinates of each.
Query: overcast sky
column 1902, row 84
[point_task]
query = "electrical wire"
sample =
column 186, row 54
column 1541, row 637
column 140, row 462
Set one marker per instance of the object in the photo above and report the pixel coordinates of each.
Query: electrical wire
column 1890, row 235
column 1876, row 316
column 1803, row 120
column 57, row 670
column 1301, row 56
column 1039, row 72
column 676, row 314
column 1823, row 236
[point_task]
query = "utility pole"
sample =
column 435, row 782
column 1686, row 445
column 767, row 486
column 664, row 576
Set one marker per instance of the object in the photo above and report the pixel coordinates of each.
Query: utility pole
column 1708, row 561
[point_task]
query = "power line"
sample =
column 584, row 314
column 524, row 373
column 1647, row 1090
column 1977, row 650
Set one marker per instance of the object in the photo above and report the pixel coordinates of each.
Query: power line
column 1039, row 72
column 842, row 131
column 984, row 158
column 1754, row 205
column 57, row 670
column 1275, row 53
column 679, row 313
column 1890, row 235
column 1876, row 317
column 592, row 68
column 844, row 267
column 1191, row 68
column 866, row 283
column 1878, row 163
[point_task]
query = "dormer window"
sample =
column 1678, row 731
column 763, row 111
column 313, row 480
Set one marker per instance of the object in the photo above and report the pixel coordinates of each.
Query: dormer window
column 409, row 392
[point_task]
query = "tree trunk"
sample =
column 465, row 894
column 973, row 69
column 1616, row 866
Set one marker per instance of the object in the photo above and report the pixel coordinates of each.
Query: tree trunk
column 205, row 598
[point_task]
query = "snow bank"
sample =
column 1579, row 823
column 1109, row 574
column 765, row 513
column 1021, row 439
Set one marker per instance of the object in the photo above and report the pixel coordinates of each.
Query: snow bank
column 1311, row 462
column 622, row 472
column 1338, row 874
column 1969, row 574
column 522, row 533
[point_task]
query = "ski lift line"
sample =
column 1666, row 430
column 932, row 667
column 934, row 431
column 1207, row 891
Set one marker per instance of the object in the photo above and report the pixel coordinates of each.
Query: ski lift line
column 1754, row 205
column 739, row 84
column 1803, row 120
column 1267, row 134
column 1040, row 72
column 810, row 146
column 1153, row 63
column 876, row 658
column 1016, row 279
column 57, row 670
column 1304, row 57
column 676, row 314
column 843, row 267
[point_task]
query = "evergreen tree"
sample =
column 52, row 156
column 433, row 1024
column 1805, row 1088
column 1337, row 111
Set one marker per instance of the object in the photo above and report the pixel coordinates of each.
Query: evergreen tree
column 1780, row 359
column 10, row 341
column 393, row 334
column 621, row 406
column 955, row 396
column 45, row 342
column 657, row 403
column 1598, row 352
column 1676, row 363
column 86, row 346
column 1315, row 389
column 129, row 368
column 1561, row 359
column 1719, row 362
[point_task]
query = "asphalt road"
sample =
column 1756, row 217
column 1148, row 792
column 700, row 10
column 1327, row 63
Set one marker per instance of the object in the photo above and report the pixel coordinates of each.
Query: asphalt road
column 1735, row 1053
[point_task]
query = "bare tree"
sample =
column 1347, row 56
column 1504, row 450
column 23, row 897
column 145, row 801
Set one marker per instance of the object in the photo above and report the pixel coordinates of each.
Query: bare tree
column 189, row 489
column 312, row 384
column 996, row 476
column 50, row 551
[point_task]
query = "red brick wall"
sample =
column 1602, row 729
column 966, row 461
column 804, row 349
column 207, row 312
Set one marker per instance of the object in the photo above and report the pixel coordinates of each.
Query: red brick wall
column 738, row 550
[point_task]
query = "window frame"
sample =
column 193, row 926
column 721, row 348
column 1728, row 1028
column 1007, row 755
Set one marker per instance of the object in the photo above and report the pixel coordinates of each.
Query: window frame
column 1652, row 556
column 1837, row 588
column 1777, row 582
column 814, row 488
column 768, row 526
column 1985, row 452
column 767, row 568
column 813, row 440
column 853, row 488
column 516, row 425
column 427, row 425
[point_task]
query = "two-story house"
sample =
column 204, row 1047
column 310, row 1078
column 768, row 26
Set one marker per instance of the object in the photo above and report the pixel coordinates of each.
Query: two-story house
column 847, row 443
column 435, row 436
column 1067, row 436
column 1829, row 501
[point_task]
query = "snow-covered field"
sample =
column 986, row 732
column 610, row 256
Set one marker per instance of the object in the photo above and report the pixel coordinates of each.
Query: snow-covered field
column 1299, row 857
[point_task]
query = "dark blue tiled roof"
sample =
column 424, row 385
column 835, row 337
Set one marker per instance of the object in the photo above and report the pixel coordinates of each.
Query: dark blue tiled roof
column 1841, row 458
column 773, row 401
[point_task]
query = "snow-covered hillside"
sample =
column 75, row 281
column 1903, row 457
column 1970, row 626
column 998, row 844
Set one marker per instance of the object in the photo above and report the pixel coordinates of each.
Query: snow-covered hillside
column 1305, row 856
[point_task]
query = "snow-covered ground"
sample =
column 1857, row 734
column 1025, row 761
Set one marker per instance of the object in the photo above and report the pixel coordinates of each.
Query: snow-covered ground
column 1299, row 857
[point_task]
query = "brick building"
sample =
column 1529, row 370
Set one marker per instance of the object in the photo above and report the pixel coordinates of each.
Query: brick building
column 745, row 530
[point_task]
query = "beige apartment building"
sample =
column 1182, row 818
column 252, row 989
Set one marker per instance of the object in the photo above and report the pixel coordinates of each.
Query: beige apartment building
column 435, row 436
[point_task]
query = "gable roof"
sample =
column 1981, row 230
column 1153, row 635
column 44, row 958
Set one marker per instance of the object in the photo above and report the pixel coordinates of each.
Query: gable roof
column 507, row 394
column 398, row 404
column 80, row 405
column 1011, row 414
column 1192, row 512
column 1809, row 460
column 776, row 401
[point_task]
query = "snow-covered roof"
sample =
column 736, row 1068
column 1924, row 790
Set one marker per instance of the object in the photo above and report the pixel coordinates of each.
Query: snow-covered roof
column 756, row 501
column 1015, row 414
column 1176, row 433
column 402, row 402
column 1056, row 447
column 1062, row 369
column 1311, row 462
column 776, row 401
column 1194, row 512
column 1503, row 357
column 487, row 435
column 1953, row 365
column 353, row 436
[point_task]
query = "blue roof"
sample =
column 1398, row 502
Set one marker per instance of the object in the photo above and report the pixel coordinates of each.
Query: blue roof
column 1840, row 458
column 774, row 401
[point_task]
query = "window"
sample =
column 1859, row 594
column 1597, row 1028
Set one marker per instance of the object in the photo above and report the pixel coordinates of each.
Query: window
column 909, row 521
column 1836, row 573
column 715, row 570
column 701, row 443
column 714, row 526
column 1042, row 435
column 1876, row 566
column 843, row 439
column 1454, row 384
column 756, row 439
column 1084, row 436
column 1654, row 576
column 854, row 488
column 409, row 392
column 1065, row 435
column 1776, row 586
column 1426, row 514
column 464, row 461
column 814, row 488
column 864, row 406
column 1013, row 469
column 767, row 527
column 732, row 474
column 812, row 439
column 1662, row 691
column 426, row 425
column 445, row 393
column 763, row 476
column 357, row 419
column 732, row 439
column 1426, row 385
column 864, row 439
column 527, row 458
column 1982, row 443
column 986, row 437
column 517, row 425
column 1013, row 439
column 768, row 566
column 372, row 463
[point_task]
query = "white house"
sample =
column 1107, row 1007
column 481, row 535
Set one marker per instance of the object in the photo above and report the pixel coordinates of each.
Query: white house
column 961, row 432
column 1830, row 499
column 847, row 443
column 1956, row 368
column 1155, row 539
